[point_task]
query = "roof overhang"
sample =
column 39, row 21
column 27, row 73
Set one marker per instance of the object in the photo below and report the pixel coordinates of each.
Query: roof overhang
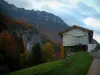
column 75, row 26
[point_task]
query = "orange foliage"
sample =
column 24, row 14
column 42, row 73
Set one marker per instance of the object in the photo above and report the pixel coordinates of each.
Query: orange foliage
column 24, row 23
column 63, row 51
column 11, row 46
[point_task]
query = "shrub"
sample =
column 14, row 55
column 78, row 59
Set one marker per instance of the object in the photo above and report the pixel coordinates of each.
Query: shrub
column 24, row 59
column 63, row 52
column 37, row 54
column 48, row 50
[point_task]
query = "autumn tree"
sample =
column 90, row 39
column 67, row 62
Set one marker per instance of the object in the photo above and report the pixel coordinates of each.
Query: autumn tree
column 11, row 48
column 63, row 51
column 48, row 50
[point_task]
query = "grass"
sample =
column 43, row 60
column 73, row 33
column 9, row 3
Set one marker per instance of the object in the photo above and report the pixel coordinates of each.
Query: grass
column 78, row 64
column 81, row 64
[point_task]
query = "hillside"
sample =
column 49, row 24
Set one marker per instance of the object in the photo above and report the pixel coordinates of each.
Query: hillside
column 48, row 24
column 28, row 31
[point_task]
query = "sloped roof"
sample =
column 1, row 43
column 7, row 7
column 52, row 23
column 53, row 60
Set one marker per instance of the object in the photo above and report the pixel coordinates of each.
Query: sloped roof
column 75, row 26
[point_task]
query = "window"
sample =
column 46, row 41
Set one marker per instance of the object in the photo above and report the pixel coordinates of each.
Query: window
column 78, row 39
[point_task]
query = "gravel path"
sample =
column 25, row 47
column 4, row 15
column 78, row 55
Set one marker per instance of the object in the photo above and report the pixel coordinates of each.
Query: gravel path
column 95, row 66
column 96, row 54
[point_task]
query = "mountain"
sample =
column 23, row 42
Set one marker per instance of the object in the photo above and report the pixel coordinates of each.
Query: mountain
column 48, row 24
column 97, row 44
column 27, row 31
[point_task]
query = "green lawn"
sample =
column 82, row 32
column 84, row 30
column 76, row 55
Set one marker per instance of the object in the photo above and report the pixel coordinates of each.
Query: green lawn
column 78, row 64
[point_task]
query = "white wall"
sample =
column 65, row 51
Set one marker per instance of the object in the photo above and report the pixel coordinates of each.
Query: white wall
column 68, row 40
column 85, row 40
column 70, row 37
column 91, row 47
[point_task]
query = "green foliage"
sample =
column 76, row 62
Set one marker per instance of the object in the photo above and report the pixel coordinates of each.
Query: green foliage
column 37, row 54
column 24, row 59
column 78, row 64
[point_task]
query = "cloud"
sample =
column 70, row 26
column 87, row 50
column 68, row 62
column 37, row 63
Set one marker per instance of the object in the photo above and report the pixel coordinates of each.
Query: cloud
column 92, row 23
column 93, row 3
column 85, row 11
column 71, row 3
column 52, row 4
column 27, row 4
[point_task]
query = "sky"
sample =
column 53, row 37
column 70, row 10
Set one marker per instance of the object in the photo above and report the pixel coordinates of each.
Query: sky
column 85, row 13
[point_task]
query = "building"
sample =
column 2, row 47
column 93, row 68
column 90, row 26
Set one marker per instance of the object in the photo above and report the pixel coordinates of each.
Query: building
column 76, row 36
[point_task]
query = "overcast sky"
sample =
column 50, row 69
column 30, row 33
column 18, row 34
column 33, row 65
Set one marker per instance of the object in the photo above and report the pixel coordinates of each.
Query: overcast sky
column 85, row 13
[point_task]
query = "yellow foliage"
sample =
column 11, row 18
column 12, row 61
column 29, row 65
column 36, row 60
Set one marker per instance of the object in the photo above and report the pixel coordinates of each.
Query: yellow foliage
column 48, row 50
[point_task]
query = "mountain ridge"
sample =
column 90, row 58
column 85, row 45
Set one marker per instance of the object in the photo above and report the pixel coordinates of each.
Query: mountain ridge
column 48, row 24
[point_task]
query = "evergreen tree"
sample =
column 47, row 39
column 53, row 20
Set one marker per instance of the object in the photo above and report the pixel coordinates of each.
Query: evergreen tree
column 37, row 54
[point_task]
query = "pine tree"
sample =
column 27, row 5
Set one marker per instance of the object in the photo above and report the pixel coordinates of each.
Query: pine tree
column 37, row 54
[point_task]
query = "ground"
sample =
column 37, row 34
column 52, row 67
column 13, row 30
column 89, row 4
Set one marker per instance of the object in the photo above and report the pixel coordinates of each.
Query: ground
column 73, row 65
column 95, row 66
column 96, row 54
